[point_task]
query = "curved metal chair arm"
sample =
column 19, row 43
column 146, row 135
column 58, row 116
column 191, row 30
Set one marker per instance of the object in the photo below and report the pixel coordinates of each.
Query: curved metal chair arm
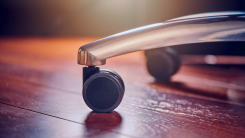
column 198, row 28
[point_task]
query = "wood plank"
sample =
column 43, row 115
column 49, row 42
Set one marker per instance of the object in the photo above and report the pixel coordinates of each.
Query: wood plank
column 17, row 122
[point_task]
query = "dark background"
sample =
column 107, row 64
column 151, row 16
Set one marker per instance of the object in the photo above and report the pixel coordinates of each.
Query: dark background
column 100, row 18
column 97, row 17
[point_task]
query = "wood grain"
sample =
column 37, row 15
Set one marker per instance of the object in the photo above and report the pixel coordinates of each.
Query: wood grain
column 18, row 122
column 41, row 77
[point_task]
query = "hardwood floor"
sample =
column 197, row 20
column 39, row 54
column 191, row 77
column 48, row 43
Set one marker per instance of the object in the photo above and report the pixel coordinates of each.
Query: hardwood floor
column 41, row 96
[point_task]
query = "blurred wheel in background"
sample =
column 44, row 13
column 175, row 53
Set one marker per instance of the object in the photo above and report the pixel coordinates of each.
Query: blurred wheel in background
column 162, row 63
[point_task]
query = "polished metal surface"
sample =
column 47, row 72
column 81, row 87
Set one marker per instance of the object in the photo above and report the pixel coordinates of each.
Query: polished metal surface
column 198, row 28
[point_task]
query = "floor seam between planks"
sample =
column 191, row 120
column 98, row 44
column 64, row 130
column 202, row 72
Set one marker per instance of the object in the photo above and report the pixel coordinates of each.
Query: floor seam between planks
column 64, row 119
column 41, row 113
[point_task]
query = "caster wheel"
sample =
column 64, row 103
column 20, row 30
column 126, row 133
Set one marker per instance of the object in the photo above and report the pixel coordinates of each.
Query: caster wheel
column 162, row 63
column 103, row 91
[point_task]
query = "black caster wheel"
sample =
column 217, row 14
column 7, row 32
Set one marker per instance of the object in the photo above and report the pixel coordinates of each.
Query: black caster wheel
column 162, row 63
column 103, row 90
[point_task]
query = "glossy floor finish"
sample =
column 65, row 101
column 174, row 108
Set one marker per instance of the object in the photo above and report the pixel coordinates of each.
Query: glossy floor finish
column 41, row 86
